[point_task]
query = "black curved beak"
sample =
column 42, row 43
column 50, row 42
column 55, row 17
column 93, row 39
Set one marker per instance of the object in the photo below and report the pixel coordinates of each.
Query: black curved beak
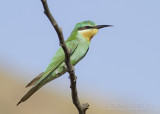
column 102, row 26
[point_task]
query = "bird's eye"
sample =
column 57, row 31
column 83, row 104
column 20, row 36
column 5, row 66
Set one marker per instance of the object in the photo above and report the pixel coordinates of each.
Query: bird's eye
column 87, row 27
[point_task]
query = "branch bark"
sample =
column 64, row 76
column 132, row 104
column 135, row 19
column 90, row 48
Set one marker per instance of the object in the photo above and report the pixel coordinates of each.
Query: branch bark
column 70, row 69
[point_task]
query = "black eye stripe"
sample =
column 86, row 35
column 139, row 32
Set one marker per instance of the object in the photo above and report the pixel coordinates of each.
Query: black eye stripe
column 85, row 27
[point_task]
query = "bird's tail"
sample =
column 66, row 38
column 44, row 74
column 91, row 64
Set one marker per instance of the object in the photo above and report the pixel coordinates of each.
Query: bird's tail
column 34, row 81
column 29, row 93
column 37, row 83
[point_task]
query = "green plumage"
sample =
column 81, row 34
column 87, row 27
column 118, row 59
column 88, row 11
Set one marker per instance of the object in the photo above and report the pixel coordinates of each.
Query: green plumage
column 78, row 47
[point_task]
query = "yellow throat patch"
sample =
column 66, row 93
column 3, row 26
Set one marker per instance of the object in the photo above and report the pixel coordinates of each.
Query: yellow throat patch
column 89, row 33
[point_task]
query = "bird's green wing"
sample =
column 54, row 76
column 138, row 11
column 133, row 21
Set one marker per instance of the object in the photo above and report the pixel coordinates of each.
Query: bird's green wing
column 58, row 58
column 80, row 52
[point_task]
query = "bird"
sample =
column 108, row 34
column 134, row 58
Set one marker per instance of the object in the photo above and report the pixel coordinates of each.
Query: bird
column 78, row 46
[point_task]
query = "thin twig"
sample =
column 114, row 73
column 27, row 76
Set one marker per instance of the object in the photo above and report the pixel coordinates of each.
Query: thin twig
column 70, row 69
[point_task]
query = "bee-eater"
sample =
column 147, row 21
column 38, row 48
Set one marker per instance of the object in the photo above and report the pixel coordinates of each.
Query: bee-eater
column 78, row 45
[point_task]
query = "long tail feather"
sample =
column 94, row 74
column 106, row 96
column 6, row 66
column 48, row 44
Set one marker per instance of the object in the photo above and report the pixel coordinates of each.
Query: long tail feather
column 35, row 80
column 30, row 93
column 35, row 87
column 38, row 82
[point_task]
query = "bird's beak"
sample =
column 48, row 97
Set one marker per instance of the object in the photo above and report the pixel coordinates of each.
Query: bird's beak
column 102, row 26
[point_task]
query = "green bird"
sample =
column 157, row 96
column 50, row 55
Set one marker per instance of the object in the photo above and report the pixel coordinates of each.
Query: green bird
column 78, row 45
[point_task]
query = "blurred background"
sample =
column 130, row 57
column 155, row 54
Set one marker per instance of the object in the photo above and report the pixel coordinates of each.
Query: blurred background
column 122, row 65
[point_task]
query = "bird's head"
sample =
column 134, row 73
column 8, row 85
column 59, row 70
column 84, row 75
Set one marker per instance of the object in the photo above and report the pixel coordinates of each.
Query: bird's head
column 88, row 29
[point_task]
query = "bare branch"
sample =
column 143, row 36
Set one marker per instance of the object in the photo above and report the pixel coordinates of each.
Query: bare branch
column 81, row 108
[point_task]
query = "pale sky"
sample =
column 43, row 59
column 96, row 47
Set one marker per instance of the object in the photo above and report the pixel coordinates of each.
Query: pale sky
column 123, row 61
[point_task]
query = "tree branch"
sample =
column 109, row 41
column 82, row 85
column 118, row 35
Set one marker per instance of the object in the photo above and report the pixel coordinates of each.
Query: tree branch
column 70, row 69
